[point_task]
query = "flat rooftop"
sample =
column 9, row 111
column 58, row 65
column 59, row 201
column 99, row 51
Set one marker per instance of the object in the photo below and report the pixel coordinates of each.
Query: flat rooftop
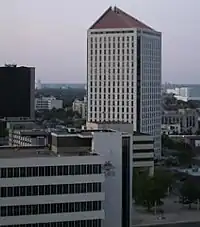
column 185, row 136
column 7, row 152
column 14, row 152
column 81, row 133
column 33, row 133
column 137, row 133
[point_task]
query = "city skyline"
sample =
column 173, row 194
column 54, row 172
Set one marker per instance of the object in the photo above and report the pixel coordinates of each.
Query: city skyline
column 52, row 38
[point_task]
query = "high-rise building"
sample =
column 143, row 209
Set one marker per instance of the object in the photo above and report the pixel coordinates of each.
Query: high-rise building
column 17, row 86
column 124, row 73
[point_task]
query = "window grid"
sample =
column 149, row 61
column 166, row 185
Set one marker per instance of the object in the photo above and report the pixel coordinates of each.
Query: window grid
column 40, row 171
column 80, row 223
column 37, row 190
column 35, row 209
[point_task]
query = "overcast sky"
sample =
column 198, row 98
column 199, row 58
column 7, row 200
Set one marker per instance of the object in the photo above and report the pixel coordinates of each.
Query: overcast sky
column 51, row 35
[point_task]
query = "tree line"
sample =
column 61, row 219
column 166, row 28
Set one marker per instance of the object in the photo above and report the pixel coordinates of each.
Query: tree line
column 150, row 191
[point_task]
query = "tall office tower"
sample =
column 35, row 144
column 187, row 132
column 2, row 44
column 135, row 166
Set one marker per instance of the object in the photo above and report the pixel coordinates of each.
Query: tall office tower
column 17, row 87
column 124, row 73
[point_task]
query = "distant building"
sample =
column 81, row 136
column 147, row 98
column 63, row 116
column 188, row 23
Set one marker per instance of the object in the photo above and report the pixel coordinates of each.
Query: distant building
column 27, row 138
column 185, row 93
column 17, row 87
column 170, row 129
column 48, row 103
column 63, row 86
column 80, row 106
column 186, row 118
column 14, row 125
column 38, row 85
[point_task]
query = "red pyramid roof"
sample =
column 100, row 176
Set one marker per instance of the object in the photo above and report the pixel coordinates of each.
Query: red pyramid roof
column 116, row 18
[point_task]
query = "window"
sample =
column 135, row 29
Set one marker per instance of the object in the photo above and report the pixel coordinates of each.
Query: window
column 47, row 208
column 82, row 223
column 48, row 171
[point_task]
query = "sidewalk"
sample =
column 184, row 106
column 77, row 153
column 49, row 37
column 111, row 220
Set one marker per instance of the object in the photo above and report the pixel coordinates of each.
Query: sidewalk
column 182, row 217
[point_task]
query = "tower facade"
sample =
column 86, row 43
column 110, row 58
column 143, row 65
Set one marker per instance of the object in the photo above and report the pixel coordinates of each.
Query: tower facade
column 124, row 73
column 17, row 91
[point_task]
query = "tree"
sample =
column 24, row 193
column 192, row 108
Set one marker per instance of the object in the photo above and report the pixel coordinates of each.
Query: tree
column 189, row 192
column 164, row 177
column 149, row 191
column 185, row 157
column 184, row 152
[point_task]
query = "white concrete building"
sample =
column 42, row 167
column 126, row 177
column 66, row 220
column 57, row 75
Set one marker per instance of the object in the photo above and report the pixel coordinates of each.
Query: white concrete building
column 124, row 73
column 80, row 106
column 48, row 103
column 42, row 188
column 115, row 148
column 84, row 180
column 142, row 147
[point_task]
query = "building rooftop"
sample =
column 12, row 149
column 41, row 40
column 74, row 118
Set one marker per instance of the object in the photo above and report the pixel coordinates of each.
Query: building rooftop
column 7, row 152
column 115, row 18
column 24, row 152
column 81, row 133
column 136, row 133
column 33, row 133
column 194, row 137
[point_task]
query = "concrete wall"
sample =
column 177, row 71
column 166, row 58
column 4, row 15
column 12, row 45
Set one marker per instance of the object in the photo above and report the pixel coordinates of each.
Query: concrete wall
column 111, row 150
column 121, row 127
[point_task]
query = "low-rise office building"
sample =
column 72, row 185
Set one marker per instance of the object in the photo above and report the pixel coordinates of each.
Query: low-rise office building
column 171, row 129
column 143, row 152
column 80, row 106
column 16, row 124
column 28, row 137
column 186, row 118
column 48, row 103
column 40, row 187
column 84, row 180
column 115, row 148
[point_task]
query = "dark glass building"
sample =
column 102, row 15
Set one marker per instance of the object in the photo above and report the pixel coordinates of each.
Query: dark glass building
column 17, row 85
